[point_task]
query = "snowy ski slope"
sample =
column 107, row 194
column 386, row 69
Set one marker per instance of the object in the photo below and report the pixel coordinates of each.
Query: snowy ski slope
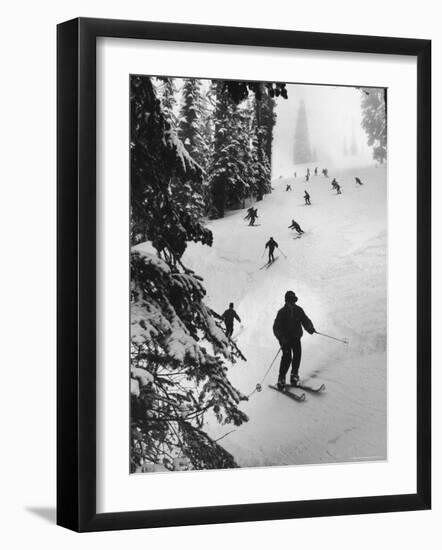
column 338, row 271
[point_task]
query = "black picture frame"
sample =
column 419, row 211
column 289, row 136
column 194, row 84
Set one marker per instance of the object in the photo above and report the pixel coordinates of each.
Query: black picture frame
column 76, row 272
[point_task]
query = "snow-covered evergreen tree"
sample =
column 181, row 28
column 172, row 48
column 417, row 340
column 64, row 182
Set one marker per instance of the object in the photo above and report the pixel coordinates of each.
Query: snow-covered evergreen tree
column 178, row 370
column 178, row 348
column 190, row 120
column 267, row 121
column 241, row 159
column 206, row 128
column 260, row 167
column 262, row 131
column 169, row 100
column 240, row 185
column 374, row 120
column 239, row 91
column 302, row 141
column 217, row 178
column 231, row 158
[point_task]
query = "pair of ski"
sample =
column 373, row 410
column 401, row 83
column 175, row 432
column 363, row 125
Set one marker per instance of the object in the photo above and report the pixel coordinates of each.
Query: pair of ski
column 268, row 264
column 296, row 396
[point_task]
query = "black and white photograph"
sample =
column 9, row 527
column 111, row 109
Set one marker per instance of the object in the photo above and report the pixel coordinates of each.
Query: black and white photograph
column 222, row 251
column 258, row 273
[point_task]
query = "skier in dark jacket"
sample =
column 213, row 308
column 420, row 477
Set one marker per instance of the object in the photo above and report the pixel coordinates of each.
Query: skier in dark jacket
column 271, row 244
column 249, row 213
column 358, row 181
column 229, row 316
column 307, row 197
column 288, row 187
column 295, row 225
column 288, row 330
column 252, row 214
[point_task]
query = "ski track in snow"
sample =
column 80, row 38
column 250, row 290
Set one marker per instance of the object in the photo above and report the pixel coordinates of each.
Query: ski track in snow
column 338, row 271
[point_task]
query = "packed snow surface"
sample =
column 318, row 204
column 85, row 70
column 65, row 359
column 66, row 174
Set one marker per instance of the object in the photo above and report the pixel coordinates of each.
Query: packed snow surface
column 338, row 271
column 337, row 268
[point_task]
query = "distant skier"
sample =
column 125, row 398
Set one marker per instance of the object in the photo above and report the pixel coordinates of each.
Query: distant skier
column 307, row 176
column 316, row 171
column 333, row 183
column 271, row 244
column 307, row 197
column 249, row 212
column 252, row 214
column 295, row 174
column 338, row 188
column 325, row 172
column 296, row 226
column 229, row 317
column 287, row 328
column 358, row 181
column 288, row 187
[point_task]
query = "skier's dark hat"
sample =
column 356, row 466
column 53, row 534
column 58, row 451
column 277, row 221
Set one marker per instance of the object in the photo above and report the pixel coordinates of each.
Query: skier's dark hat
column 290, row 296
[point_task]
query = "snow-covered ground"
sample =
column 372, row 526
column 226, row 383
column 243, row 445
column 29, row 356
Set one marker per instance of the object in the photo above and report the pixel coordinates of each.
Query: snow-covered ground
column 338, row 271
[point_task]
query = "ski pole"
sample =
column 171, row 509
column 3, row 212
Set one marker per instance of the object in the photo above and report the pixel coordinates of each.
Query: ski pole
column 263, row 253
column 283, row 254
column 345, row 341
column 259, row 385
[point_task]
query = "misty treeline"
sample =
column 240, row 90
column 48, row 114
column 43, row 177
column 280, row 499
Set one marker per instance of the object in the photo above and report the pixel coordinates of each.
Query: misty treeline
column 374, row 120
column 302, row 152
column 350, row 149
column 197, row 158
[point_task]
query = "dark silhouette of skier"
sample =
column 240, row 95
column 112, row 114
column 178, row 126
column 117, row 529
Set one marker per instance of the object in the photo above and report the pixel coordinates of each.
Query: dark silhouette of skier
column 336, row 186
column 287, row 328
column 229, row 317
column 307, row 197
column 316, row 171
column 296, row 226
column 358, row 181
column 249, row 212
column 295, row 174
column 288, row 187
column 271, row 244
column 252, row 214
column 325, row 172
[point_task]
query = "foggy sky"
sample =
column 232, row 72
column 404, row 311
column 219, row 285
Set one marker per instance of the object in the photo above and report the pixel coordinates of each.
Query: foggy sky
column 333, row 114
